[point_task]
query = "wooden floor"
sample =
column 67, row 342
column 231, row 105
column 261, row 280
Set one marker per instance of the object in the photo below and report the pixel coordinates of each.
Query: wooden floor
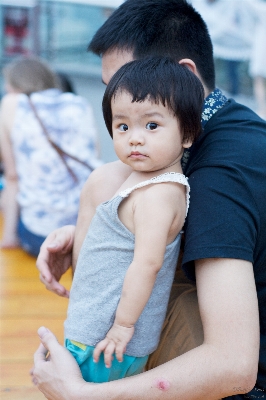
column 25, row 306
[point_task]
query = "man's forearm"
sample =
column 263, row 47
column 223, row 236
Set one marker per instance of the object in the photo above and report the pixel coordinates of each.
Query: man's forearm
column 201, row 374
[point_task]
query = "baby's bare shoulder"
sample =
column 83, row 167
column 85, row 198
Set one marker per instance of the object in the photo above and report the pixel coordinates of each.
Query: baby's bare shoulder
column 163, row 194
column 165, row 189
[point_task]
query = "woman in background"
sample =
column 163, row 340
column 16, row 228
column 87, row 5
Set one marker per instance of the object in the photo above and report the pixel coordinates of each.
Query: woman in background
column 49, row 148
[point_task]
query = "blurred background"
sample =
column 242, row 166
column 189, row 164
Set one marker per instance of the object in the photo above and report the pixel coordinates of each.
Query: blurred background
column 59, row 31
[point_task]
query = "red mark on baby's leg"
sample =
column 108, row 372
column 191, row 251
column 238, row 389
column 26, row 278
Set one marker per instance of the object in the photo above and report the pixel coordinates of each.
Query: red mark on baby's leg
column 162, row 384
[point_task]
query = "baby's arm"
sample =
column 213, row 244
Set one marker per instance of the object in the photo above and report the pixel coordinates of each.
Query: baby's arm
column 156, row 212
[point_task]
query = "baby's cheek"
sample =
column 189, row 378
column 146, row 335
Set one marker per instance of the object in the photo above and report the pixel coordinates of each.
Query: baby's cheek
column 162, row 384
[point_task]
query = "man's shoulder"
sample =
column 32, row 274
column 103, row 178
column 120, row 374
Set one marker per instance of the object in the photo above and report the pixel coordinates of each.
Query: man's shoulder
column 232, row 136
column 233, row 112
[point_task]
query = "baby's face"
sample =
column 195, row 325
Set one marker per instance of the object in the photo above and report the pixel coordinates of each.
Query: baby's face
column 146, row 135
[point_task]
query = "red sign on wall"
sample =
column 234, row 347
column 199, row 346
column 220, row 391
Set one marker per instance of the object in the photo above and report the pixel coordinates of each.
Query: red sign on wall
column 16, row 30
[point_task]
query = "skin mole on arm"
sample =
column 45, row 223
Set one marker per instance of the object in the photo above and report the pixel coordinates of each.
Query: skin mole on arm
column 162, row 384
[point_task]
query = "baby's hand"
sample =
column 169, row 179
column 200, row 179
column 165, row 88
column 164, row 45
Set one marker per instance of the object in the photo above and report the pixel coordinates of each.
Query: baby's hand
column 115, row 341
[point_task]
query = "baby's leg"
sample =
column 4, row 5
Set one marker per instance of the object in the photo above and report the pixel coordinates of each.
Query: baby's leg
column 97, row 372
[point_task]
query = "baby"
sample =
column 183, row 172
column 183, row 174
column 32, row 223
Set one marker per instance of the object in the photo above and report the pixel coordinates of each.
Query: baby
column 119, row 296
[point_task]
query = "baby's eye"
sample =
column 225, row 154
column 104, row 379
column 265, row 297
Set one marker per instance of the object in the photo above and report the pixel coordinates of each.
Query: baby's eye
column 123, row 127
column 151, row 126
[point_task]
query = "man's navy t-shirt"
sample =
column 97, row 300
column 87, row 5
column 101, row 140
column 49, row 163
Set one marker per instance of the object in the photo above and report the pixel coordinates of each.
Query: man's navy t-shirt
column 227, row 214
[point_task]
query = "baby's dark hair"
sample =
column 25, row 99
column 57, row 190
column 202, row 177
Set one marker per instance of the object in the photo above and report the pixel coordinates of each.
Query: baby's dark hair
column 159, row 80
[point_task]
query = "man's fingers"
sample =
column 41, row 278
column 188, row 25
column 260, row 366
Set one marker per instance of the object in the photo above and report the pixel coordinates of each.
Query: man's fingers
column 42, row 263
column 48, row 340
column 44, row 269
column 49, row 246
column 47, row 281
column 59, row 240
column 62, row 291
column 39, row 355
column 55, row 286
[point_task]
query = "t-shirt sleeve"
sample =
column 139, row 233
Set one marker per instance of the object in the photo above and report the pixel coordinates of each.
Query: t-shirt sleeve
column 223, row 219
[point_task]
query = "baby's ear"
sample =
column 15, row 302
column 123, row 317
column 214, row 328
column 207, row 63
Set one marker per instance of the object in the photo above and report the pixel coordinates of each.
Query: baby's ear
column 187, row 143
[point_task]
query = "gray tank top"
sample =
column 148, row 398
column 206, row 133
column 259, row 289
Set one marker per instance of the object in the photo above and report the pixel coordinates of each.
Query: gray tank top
column 105, row 256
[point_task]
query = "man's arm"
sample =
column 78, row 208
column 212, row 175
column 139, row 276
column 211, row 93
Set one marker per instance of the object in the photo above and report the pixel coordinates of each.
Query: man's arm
column 55, row 256
column 225, row 364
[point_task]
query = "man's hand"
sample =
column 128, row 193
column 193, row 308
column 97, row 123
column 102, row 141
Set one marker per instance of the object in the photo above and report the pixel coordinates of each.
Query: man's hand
column 115, row 341
column 58, row 377
column 55, row 258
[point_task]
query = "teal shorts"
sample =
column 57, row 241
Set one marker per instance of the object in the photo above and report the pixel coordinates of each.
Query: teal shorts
column 97, row 372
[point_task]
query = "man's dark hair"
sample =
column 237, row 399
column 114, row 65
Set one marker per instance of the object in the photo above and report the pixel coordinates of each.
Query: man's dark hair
column 159, row 80
column 170, row 28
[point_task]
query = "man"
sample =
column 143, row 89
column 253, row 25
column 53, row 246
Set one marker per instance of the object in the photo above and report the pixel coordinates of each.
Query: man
column 225, row 232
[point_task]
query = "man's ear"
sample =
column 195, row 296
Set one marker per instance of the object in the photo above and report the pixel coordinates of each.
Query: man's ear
column 187, row 143
column 189, row 64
